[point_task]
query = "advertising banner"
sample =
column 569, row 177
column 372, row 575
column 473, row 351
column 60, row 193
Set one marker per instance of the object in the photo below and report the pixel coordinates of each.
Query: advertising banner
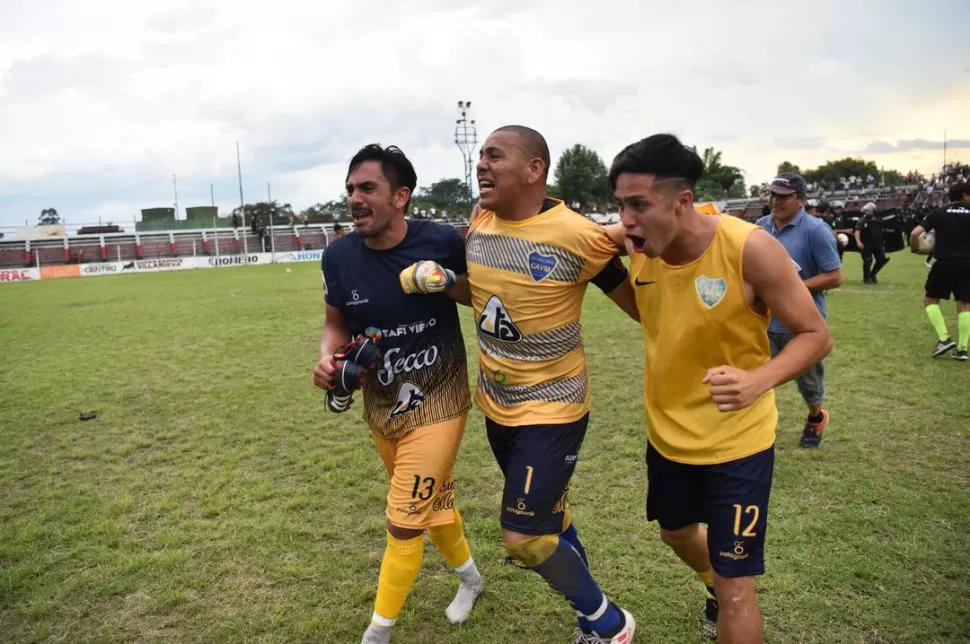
column 299, row 256
column 138, row 266
column 253, row 259
column 106, row 268
column 159, row 264
column 58, row 272
column 11, row 275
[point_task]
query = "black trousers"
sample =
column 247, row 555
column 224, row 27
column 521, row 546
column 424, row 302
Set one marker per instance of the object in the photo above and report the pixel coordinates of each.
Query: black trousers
column 872, row 252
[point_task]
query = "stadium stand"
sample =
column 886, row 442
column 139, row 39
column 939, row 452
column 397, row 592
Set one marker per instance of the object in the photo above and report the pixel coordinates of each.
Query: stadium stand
column 901, row 208
column 122, row 246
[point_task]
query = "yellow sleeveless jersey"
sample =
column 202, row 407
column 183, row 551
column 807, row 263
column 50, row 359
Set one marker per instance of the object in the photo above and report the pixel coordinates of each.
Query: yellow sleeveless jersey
column 527, row 283
column 694, row 317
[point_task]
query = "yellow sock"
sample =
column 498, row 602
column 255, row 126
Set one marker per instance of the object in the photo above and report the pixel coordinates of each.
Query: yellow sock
column 399, row 570
column 450, row 541
column 964, row 337
column 707, row 577
column 567, row 519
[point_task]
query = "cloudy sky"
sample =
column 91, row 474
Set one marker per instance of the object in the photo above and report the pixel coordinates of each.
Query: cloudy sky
column 101, row 101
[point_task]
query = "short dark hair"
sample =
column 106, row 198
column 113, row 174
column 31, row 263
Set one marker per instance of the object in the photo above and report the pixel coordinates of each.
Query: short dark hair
column 535, row 143
column 823, row 207
column 662, row 155
column 395, row 166
column 957, row 190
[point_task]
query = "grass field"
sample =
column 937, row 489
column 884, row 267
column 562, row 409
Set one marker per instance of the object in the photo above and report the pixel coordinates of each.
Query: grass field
column 215, row 500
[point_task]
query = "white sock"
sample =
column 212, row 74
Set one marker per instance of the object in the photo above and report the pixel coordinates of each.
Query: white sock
column 379, row 630
column 471, row 586
column 468, row 572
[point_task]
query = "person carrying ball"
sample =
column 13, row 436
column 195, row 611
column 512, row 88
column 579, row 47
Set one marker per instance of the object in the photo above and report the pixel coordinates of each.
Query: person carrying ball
column 950, row 273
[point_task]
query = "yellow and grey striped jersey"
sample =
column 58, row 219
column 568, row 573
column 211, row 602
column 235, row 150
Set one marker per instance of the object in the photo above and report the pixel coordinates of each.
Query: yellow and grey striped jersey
column 527, row 282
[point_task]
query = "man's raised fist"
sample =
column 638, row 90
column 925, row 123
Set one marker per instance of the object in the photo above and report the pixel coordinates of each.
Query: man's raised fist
column 426, row 277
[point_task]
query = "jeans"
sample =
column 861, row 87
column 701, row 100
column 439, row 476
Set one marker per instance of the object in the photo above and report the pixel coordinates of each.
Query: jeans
column 811, row 384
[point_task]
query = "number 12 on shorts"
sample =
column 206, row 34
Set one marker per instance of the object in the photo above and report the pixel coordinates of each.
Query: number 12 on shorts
column 755, row 513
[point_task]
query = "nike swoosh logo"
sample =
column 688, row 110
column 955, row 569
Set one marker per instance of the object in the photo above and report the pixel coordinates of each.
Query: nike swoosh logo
column 639, row 283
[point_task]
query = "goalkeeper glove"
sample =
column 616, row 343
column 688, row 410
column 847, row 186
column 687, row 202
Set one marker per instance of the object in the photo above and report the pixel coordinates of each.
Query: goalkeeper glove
column 426, row 277
column 350, row 362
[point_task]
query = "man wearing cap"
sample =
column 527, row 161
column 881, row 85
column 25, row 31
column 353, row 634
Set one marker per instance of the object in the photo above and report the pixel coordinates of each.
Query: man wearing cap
column 812, row 248
column 868, row 237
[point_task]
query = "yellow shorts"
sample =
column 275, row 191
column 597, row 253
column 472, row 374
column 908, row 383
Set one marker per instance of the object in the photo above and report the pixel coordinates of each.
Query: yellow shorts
column 421, row 467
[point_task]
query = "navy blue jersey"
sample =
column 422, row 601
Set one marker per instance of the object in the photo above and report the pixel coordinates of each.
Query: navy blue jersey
column 423, row 377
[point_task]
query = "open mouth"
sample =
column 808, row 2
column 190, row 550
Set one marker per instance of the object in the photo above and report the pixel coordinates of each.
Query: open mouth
column 639, row 243
column 361, row 214
column 485, row 185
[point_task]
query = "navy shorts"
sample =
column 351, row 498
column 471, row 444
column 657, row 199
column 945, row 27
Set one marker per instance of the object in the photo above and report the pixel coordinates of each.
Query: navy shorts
column 731, row 498
column 537, row 462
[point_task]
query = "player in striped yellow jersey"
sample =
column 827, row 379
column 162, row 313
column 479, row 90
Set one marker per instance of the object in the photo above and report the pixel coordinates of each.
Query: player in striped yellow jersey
column 530, row 259
column 704, row 287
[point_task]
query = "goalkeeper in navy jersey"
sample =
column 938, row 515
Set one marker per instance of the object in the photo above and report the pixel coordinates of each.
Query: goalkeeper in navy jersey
column 392, row 328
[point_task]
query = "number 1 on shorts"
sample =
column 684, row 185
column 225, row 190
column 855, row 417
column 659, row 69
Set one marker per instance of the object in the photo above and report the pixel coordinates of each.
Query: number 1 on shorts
column 528, row 478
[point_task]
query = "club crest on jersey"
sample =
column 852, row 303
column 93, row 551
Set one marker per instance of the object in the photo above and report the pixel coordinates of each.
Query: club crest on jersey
column 496, row 322
column 711, row 290
column 409, row 398
column 540, row 266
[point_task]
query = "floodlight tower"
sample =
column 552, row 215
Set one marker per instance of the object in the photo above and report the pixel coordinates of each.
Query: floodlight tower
column 466, row 138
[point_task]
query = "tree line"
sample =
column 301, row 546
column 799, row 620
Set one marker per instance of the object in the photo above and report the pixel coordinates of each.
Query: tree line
column 579, row 179
column 832, row 173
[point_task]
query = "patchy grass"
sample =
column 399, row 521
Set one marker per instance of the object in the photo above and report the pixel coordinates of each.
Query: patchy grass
column 215, row 500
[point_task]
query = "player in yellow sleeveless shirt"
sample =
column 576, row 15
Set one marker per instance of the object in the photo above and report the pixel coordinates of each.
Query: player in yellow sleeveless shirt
column 530, row 259
column 704, row 286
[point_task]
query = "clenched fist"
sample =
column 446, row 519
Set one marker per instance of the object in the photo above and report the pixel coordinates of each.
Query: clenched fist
column 323, row 373
column 732, row 388
column 426, row 277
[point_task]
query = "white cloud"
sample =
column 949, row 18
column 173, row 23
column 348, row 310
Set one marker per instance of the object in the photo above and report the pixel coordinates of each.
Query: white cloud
column 101, row 101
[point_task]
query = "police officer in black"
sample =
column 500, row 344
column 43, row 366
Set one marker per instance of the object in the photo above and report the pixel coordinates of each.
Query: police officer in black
column 868, row 238
column 951, row 272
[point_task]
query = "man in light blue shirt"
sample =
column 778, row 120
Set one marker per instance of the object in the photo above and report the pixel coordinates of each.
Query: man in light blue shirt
column 812, row 247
